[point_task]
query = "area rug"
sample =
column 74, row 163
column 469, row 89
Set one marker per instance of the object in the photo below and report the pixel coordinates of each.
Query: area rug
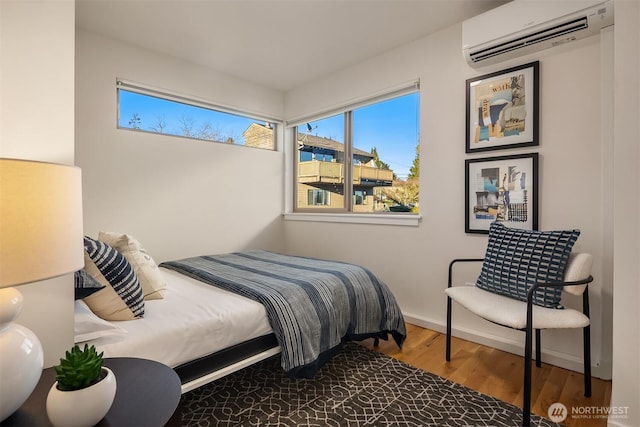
column 358, row 387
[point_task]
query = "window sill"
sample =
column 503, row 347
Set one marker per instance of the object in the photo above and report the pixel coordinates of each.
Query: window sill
column 354, row 218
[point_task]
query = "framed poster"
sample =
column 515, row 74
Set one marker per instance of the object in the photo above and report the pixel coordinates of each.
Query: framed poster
column 504, row 189
column 502, row 109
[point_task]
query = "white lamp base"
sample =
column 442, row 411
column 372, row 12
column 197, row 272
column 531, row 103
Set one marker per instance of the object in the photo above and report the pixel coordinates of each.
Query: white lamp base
column 22, row 356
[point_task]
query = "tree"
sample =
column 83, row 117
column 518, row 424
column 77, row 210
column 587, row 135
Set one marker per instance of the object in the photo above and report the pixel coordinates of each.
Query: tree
column 160, row 125
column 376, row 160
column 405, row 193
column 186, row 126
column 135, row 121
column 414, row 171
column 207, row 132
column 402, row 192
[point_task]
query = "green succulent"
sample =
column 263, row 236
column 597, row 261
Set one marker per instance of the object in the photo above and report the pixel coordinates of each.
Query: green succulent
column 79, row 368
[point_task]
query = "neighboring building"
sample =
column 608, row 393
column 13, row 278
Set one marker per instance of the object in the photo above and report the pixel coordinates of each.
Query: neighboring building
column 320, row 174
column 260, row 136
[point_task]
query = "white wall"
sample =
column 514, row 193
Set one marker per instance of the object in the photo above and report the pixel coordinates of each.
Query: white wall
column 626, row 298
column 36, row 123
column 413, row 261
column 179, row 197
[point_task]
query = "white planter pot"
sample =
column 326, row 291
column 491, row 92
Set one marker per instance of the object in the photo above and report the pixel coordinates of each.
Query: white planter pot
column 81, row 408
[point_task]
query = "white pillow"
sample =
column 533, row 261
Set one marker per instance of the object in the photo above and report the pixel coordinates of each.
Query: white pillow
column 150, row 277
column 88, row 326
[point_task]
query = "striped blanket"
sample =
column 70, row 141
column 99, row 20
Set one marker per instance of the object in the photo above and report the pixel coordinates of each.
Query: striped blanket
column 313, row 305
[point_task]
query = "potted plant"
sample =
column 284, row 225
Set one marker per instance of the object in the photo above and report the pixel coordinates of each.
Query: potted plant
column 84, row 389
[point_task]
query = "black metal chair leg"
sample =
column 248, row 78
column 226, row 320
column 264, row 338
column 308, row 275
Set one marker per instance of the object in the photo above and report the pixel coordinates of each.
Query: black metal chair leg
column 538, row 349
column 526, row 404
column 586, row 339
column 526, row 401
column 587, row 361
column 448, row 351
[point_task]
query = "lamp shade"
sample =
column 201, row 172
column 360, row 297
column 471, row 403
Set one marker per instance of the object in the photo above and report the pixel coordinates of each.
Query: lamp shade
column 40, row 238
column 41, row 228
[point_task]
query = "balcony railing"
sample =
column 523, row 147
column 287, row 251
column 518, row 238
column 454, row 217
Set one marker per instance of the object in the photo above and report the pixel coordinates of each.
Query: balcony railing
column 316, row 172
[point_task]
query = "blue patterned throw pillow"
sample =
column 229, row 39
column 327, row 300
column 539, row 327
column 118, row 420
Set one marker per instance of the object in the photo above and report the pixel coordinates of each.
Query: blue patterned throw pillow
column 517, row 259
column 122, row 298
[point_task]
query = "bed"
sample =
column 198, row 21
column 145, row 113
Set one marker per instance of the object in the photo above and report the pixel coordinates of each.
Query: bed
column 214, row 316
column 185, row 329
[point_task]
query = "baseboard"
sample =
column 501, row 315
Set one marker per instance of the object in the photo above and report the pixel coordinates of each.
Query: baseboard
column 562, row 360
column 424, row 323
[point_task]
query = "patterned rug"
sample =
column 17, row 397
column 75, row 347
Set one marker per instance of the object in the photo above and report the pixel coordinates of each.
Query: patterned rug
column 359, row 387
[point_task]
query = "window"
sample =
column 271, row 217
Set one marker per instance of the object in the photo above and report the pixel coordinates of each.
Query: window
column 321, row 162
column 370, row 152
column 359, row 197
column 318, row 197
column 149, row 110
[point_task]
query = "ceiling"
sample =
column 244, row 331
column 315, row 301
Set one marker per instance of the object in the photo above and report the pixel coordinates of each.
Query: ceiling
column 279, row 44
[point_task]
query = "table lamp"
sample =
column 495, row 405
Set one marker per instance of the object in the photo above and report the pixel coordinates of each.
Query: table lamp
column 40, row 238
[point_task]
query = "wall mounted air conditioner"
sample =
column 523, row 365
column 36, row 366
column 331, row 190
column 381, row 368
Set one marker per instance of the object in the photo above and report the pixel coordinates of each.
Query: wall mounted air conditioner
column 525, row 26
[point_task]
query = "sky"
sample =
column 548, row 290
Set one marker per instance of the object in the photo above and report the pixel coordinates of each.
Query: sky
column 391, row 126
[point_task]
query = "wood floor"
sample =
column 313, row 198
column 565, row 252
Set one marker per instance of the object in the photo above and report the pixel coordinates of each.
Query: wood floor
column 499, row 374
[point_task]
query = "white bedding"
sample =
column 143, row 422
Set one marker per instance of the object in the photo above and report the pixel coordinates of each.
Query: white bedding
column 193, row 320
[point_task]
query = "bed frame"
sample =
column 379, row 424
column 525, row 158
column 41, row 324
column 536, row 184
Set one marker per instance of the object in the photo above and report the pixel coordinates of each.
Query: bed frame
column 209, row 368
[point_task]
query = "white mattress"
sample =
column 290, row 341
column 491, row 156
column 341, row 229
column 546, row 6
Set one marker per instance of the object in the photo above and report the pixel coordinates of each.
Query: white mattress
column 193, row 320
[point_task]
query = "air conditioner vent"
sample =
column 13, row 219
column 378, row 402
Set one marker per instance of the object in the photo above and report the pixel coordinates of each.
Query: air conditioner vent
column 521, row 27
column 531, row 39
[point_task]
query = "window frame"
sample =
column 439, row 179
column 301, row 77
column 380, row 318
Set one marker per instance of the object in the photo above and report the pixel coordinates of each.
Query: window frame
column 346, row 213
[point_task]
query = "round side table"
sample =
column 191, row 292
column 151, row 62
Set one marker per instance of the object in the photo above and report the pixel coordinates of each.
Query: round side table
column 147, row 394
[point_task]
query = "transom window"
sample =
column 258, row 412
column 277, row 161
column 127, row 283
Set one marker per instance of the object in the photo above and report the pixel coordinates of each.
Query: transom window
column 149, row 110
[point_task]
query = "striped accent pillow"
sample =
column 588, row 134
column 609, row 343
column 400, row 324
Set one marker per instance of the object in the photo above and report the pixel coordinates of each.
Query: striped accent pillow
column 517, row 259
column 122, row 297
column 84, row 284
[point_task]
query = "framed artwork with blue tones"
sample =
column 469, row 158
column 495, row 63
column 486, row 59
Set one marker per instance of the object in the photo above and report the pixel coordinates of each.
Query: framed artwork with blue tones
column 502, row 109
column 504, row 189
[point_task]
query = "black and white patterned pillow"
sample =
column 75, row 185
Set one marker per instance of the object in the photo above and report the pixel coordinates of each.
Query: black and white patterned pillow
column 123, row 299
column 85, row 284
column 517, row 259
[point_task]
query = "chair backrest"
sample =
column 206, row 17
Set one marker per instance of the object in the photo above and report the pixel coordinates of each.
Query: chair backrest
column 578, row 268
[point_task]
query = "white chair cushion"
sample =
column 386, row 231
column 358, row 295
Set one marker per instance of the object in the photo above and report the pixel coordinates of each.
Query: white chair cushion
column 513, row 313
column 578, row 268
